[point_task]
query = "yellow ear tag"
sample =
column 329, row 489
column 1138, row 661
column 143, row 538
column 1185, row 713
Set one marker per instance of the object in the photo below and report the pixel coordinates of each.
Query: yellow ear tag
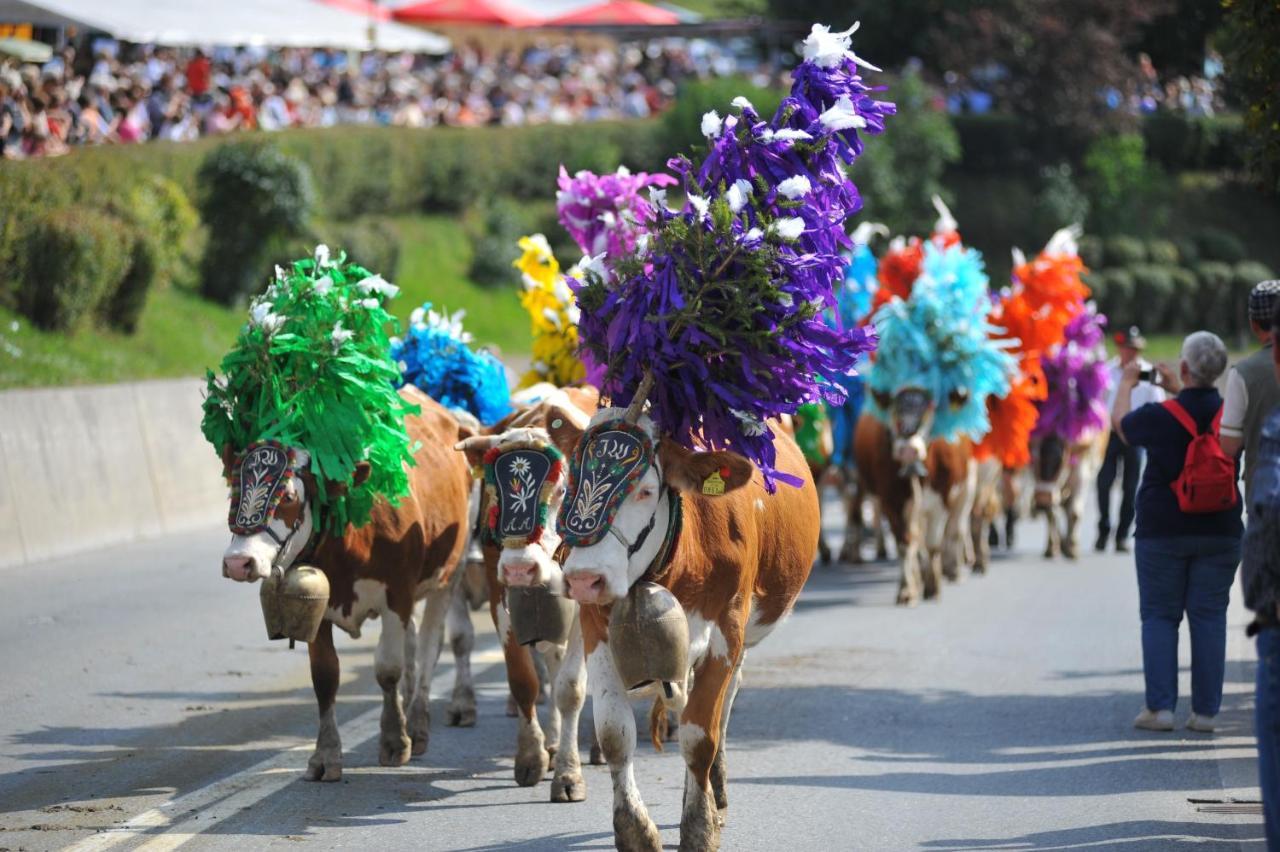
column 713, row 485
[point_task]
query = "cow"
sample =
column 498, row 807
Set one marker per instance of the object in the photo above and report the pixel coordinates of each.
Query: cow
column 557, row 419
column 404, row 553
column 925, row 490
column 1064, row 472
column 736, row 563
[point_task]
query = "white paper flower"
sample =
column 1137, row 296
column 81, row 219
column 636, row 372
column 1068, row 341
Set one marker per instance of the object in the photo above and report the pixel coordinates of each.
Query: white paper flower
column 415, row 318
column 751, row 426
column 594, row 265
column 642, row 243
column 738, row 194
column 322, row 285
column 788, row 227
column 322, row 255
column 340, row 335
column 700, row 204
column 574, row 313
column 551, row 316
column 796, row 186
column 786, row 134
column 279, row 273
column 842, row 116
column 378, row 284
column 752, row 237
column 657, row 196
column 261, row 315
column 826, row 49
column 742, row 103
column 369, row 304
column 711, row 125
column 786, row 300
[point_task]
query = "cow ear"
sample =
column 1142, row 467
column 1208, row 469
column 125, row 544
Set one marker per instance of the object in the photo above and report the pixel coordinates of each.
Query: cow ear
column 228, row 459
column 564, row 433
column 883, row 400
column 361, row 474
column 702, row 472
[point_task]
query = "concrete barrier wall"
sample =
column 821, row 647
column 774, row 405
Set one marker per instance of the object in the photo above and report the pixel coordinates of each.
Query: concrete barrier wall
column 85, row 467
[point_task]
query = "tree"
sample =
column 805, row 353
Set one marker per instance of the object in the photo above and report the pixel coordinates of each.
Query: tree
column 1253, row 67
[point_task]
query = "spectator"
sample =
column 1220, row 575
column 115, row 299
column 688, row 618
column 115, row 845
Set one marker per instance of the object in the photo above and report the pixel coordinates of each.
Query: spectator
column 1260, row 575
column 1119, row 454
column 1252, row 390
column 1186, row 562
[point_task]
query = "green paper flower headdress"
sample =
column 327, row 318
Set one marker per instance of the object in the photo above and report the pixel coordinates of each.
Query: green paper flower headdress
column 312, row 369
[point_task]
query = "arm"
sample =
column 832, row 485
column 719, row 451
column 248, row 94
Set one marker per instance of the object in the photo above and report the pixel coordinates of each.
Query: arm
column 1124, row 398
column 1235, row 403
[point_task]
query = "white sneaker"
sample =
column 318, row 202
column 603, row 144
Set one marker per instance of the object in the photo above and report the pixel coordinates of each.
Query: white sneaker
column 1203, row 724
column 1154, row 720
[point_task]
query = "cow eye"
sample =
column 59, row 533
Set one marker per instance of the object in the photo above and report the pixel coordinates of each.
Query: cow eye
column 644, row 493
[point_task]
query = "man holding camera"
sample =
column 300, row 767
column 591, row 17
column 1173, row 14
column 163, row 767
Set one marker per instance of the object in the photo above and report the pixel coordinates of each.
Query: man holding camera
column 1120, row 455
column 1252, row 389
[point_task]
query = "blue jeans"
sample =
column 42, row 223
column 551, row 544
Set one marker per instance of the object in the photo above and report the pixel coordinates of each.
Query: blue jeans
column 1267, row 723
column 1192, row 575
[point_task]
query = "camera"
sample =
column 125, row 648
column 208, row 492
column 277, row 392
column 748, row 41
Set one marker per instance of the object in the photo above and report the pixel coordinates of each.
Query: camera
column 1150, row 375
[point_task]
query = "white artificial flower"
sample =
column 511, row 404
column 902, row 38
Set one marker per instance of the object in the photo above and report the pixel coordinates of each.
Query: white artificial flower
column 786, row 300
column 560, row 289
column 415, row 318
column 322, row 255
column 827, row 49
column 657, row 196
column 623, row 171
column 322, row 285
column 711, row 125
column 340, row 335
column 369, row 304
column 540, row 244
column 574, row 313
column 552, row 317
column 742, row 103
column 279, row 273
column 842, row 116
column 795, row 187
column 751, row 426
column 738, row 194
column 378, row 284
column 788, row 227
column 701, row 205
column 786, row 134
column 259, row 311
column 642, row 243
column 752, row 237
column 594, row 265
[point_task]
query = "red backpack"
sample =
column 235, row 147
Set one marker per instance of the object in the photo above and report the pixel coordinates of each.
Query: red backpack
column 1208, row 479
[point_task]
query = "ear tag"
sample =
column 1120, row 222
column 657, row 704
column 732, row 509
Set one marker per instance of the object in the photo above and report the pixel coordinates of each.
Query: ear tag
column 557, row 423
column 713, row 485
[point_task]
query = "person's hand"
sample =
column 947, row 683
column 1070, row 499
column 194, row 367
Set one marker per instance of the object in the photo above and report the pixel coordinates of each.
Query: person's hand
column 1169, row 379
column 1131, row 374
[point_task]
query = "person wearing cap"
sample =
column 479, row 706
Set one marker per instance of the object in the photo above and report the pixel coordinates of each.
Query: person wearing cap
column 1260, row 579
column 1121, row 455
column 1252, row 388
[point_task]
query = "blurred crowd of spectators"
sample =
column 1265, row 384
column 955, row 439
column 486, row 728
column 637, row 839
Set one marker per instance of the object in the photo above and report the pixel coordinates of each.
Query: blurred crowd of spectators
column 120, row 93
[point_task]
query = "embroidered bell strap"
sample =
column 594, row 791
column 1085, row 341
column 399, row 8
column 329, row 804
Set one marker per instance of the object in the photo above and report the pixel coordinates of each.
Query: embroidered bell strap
column 675, row 525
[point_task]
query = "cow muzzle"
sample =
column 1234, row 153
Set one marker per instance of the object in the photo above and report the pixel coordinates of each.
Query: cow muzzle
column 519, row 573
column 242, row 569
column 589, row 588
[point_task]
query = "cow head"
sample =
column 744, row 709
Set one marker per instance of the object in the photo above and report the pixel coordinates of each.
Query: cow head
column 272, row 516
column 911, row 411
column 624, row 478
column 525, row 481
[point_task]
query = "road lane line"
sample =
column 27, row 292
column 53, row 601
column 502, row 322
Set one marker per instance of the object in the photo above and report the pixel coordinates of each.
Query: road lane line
column 228, row 796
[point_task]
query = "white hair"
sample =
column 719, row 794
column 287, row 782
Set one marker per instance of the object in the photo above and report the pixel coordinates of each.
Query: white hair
column 1205, row 355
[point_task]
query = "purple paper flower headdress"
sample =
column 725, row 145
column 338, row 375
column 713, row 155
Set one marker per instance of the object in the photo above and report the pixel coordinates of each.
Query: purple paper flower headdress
column 605, row 214
column 1078, row 380
column 718, row 313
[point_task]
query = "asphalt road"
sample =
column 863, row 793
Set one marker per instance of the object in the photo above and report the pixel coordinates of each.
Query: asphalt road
column 142, row 707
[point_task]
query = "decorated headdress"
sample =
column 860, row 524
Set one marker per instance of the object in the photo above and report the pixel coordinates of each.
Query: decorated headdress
column 1078, row 380
column 1045, row 295
column 553, row 315
column 606, row 214
column 436, row 357
column 854, row 298
column 312, row 369
column 939, row 340
column 717, row 318
column 900, row 266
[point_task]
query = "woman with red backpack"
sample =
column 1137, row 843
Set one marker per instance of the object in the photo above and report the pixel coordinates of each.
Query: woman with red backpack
column 1189, row 530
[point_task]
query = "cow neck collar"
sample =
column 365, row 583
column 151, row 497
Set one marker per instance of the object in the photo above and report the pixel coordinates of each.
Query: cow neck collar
column 675, row 524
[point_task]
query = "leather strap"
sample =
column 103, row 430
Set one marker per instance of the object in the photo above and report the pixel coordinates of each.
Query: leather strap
column 1184, row 418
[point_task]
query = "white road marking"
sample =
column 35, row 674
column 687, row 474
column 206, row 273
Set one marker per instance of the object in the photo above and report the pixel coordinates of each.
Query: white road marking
column 171, row 824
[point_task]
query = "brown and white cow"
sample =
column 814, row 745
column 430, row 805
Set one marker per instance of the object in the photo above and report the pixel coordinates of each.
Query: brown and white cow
column 557, row 419
column 736, row 565
column 924, row 489
column 379, row 570
column 1064, row 472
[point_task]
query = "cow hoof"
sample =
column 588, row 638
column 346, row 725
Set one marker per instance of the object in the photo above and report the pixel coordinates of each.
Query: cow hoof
column 324, row 766
column 568, row 787
column 635, row 832
column 419, row 728
column 394, row 750
column 461, row 717
column 906, row 598
column 531, row 767
column 597, row 755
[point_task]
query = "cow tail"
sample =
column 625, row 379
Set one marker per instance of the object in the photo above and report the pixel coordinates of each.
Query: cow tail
column 658, row 729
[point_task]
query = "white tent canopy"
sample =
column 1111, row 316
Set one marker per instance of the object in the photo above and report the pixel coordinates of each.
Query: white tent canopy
column 276, row 23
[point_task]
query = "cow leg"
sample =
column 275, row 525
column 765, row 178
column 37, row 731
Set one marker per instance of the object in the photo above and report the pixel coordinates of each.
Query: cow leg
column 905, row 532
column 700, row 738
column 388, row 666
column 408, row 680
column 462, row 640
column 325, row 763
column 1073, row 508
column 567, row 784
column 552, row 657
column 633, row 830
column 877, row 520
column 934, row 518
column 851, row 550
column 719, row 771
column 430, row 635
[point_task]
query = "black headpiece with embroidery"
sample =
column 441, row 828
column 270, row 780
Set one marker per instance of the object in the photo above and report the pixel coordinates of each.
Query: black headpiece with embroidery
column 611, row 458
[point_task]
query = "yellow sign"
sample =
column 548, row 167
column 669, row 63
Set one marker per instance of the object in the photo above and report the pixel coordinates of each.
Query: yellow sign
column 18, row 31
column 713, row 485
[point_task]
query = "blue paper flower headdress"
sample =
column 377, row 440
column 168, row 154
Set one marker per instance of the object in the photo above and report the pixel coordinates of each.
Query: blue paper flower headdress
column 436, row 357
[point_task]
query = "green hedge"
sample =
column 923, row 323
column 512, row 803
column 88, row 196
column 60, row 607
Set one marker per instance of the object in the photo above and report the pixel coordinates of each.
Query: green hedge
column 77, row 258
